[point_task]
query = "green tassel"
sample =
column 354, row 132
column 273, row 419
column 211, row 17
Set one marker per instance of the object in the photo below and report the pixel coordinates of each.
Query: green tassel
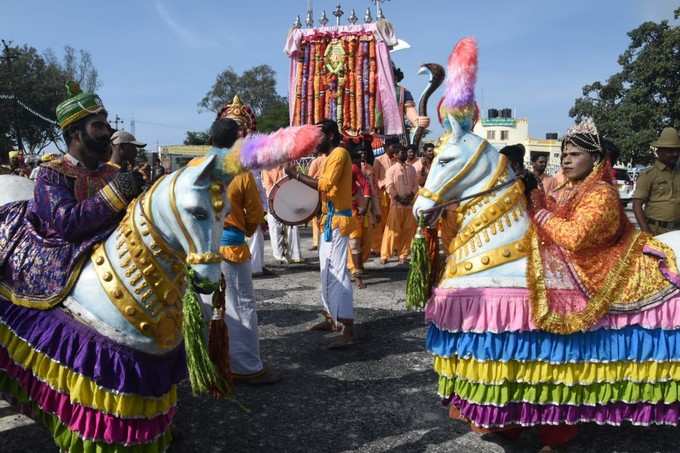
column 418, row 280
column 203, row 374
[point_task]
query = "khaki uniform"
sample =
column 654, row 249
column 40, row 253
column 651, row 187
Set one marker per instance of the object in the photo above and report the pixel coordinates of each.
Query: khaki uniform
column 659, row 189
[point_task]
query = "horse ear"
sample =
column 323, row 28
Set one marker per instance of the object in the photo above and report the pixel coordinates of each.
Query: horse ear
column 203, row 172
column 456, row 128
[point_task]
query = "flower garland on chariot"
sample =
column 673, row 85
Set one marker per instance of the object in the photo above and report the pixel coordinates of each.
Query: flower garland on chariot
column 344, row 74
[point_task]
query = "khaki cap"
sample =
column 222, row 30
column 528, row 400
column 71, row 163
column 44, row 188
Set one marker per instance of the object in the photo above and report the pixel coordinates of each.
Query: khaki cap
column 668, row 139
column 123, row 137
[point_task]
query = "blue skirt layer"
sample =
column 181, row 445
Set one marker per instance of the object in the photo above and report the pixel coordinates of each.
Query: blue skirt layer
column 629, row 344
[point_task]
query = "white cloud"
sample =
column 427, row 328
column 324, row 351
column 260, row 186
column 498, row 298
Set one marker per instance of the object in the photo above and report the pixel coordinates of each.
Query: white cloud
column 186, row 36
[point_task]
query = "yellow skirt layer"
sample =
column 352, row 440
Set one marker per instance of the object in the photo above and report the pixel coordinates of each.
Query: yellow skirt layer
column 581, row 373
column 81, row 389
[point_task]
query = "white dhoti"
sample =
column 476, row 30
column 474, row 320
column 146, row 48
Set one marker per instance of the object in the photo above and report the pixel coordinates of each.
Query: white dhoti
column 285, row 240
column 294, row 243
column 336, row 285
column 241, row 318
column 256, row 245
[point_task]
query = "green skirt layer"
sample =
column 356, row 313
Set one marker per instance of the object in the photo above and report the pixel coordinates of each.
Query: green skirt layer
column 558, row 394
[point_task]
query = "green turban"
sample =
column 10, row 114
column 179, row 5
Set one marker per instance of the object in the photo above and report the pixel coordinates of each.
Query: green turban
column 77, row 106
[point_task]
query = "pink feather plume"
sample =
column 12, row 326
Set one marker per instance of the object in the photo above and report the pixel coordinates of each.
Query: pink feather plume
column 284, row 145
column 462, row 75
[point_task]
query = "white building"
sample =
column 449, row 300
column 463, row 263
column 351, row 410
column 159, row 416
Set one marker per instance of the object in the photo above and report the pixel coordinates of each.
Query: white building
column 501, row 129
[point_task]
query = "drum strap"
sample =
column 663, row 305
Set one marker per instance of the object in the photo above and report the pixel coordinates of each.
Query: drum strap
column 232, row 236
column 328, row 225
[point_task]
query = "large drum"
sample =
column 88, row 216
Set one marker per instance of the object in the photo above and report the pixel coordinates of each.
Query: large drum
column 292, row 202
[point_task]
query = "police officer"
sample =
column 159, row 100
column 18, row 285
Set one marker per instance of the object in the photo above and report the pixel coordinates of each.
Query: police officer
column 658, row 188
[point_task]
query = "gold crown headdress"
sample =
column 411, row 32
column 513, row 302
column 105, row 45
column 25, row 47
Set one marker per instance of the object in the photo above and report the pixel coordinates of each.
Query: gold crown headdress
column 239, row 112
column 588, row 136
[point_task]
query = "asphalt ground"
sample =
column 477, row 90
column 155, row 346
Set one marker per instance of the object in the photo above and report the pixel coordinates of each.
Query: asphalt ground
column 376, row 397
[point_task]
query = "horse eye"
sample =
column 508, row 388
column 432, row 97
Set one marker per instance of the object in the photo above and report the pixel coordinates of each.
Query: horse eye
column 443, row 162
column 199, row 213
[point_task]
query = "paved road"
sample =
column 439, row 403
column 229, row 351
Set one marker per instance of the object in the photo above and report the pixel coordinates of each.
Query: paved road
column 378, row 397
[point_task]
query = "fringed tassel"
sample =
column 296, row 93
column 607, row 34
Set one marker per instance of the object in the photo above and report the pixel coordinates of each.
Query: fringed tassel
column 431, row 235
column 418, row 280
column 218, row 336
column 203, row 374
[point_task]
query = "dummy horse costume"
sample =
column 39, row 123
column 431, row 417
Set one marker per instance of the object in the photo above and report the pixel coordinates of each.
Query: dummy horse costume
column 496, row 368
column 100, row 369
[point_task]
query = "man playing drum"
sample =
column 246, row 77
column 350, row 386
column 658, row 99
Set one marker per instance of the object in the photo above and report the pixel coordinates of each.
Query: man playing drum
column 335, row 186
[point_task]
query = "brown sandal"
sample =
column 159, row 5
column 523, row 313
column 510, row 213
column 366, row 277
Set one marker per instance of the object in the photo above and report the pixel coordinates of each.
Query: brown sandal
column 327, row 325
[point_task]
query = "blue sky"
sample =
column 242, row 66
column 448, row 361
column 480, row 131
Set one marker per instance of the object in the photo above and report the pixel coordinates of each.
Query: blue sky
column 158, row 58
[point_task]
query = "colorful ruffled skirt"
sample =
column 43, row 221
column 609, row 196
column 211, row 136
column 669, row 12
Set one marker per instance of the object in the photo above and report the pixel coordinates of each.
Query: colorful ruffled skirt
column 496, row 370
column 93, row 395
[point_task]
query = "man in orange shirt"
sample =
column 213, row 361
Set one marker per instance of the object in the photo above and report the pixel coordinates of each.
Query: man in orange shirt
column 285, row 239
column 244, row 115
column 401, row 183
column 335, row 186
column 245, row 216
column 422, row 165
column 313, row 172
column 380, row 167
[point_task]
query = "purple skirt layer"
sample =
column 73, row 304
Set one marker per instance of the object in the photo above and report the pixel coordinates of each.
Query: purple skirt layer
column 534, row 414
column 83, row 350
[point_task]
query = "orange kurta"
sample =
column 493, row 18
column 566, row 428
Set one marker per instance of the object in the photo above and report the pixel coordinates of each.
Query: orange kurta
column 380, row 167
column 422, row 170
column 401, row 181
column 271, row 177
column 335, row 184
column 245, row 215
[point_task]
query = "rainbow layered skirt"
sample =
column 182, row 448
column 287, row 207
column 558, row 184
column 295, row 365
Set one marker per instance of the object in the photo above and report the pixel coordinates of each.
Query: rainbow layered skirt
column 93, row 395
column 496, row 369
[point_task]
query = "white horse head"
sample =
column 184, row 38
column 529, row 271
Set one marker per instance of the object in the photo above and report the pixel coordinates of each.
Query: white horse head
column 462, row 166
column 189, row 207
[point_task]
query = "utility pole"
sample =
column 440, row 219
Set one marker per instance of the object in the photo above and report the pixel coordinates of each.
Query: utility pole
column 116, row 121
column 8, row 57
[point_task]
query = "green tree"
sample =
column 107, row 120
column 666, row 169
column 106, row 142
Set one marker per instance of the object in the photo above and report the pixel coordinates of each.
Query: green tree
column 38, row 82
column 257, row 88
column 196, row 138
column 634, row 104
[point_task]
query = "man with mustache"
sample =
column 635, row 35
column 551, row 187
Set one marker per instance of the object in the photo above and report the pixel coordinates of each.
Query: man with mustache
column 78, row 201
